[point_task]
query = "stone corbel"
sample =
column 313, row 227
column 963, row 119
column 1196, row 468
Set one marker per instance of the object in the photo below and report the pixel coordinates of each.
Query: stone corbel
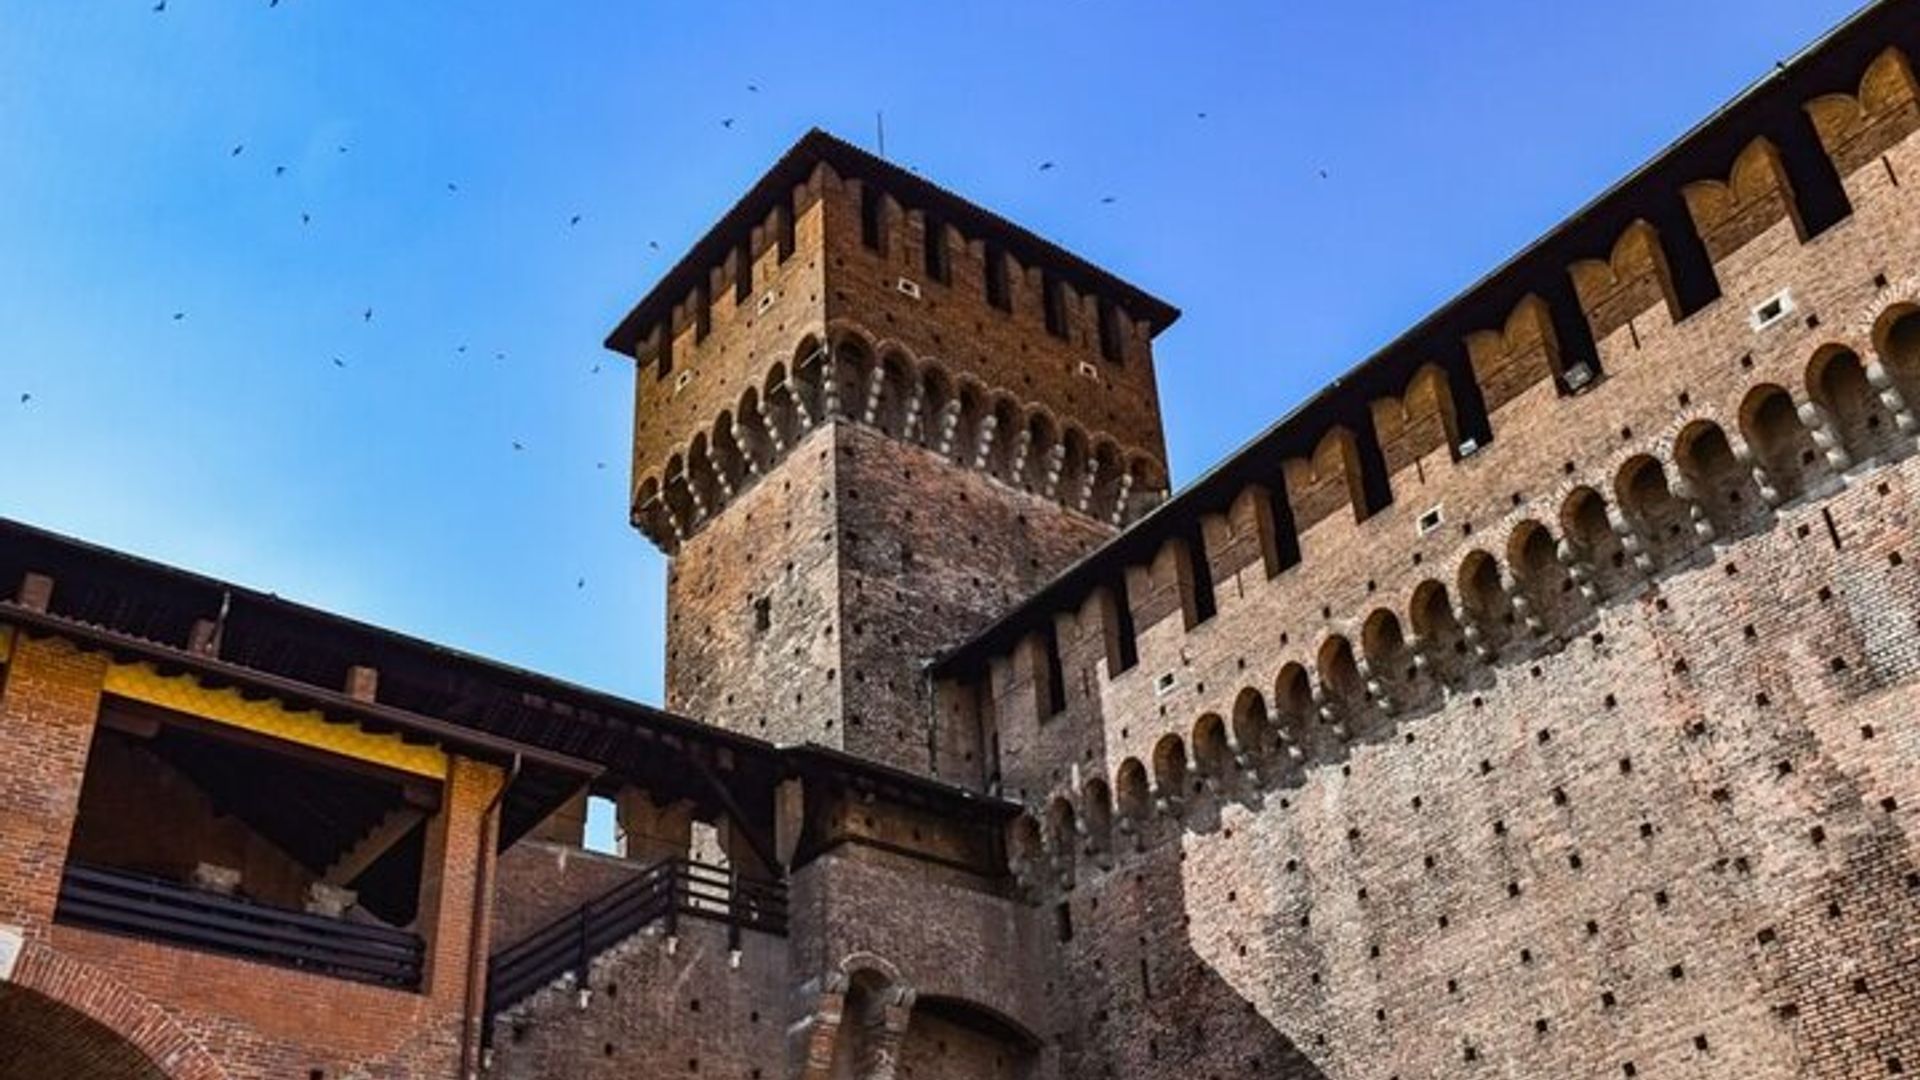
column 1891, row 396
column 1826, row 435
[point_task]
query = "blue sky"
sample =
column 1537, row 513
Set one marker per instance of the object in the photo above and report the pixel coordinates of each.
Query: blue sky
column 159, row 164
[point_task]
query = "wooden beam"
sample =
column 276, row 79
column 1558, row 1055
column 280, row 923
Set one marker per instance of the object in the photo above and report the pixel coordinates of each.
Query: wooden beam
column 379, row 840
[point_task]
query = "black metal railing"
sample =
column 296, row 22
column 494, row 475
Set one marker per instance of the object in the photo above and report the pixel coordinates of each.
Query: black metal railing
column 118, row 902
column 663, row 892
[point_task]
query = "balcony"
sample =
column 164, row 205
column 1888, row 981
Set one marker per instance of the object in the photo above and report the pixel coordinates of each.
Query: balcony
column 118, row 902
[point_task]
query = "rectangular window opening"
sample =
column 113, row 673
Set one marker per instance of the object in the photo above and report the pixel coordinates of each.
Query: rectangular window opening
column 999, row 290
column 1056, row 675
column 872, row 219
column 1112, row 333
column 1053, row 302
column 935, row 250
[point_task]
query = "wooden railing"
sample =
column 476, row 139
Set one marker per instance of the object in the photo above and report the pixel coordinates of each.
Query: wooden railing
column 118, row 902
column 663, row 892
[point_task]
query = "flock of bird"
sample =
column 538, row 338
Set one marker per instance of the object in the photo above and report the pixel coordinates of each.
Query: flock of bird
column 574, row 220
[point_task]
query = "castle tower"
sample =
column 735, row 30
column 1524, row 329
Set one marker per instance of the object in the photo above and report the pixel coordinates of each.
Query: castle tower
column 869, row 417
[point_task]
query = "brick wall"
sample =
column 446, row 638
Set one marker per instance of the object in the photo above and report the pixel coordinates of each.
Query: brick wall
column 196, row 1014
column 1603, row 772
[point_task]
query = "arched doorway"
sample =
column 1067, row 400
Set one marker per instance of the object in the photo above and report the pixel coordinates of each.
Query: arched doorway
column 950, row 1039
column 45, row 1040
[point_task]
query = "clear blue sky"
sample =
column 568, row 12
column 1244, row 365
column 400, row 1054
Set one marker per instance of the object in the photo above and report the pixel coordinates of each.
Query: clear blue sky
column 228, row 441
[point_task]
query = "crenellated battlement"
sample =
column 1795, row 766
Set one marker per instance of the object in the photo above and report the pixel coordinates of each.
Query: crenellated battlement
column 918, row 401
column 1566, row 329
column 843, row 288
column 1482, row 491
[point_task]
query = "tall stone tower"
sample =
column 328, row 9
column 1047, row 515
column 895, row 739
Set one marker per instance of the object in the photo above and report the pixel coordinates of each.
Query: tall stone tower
column 868, row 417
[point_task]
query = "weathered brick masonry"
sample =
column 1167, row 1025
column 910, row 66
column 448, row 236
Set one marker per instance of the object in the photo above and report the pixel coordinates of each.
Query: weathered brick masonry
column 1536, row 701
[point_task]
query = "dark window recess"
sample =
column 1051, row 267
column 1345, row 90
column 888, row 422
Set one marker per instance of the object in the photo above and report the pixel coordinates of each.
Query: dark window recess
column 1571, row 329
column 1063, row 921
column 872, row 219
column 999, row 292
column 1376, row 488
column 1818, row 192
column 938, row 268
column 1470, row 417
column 1286, row 534
column 1128, row 642
column 1053, row 299
column 763, row 613
column 785, row 224
column 1056, row 676
column 702, row 317
column 666, row 354
column 1695, row 285
column 1112, row 333
column 1204, row 603
column 743, row 275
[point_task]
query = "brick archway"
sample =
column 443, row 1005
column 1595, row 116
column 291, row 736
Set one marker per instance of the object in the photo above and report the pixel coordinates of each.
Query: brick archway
column 131, row 1037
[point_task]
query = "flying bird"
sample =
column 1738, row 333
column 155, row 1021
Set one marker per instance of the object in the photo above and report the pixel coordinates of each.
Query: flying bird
column 462, row 350
column 306, row 218
column 337, row 362
column 1202, row 116
column 279, row 170
column 24, row 398
column 727, row 123
column 499, row 356
column 1108, row 200
column 654, row 244
column 596, row 369
column 178, row 315
column 237, row 148
column 340, row 149
column 1046, row 166
column 753, row 88
column 580, row 584
column 599, row 464
column 574, row 220
column 161, row 6
column 517, row 446
column 1323, row 174
column 367, row 315
column 453, row 187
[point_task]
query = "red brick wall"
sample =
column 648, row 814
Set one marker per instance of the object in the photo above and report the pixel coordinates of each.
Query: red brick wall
column 659, row 1009
column 212, row 1015
column 538, row 882
column 1651, row 812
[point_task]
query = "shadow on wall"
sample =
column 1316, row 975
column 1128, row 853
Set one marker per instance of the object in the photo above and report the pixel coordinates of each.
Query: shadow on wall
column 1163, row 1010
column 41, row 1037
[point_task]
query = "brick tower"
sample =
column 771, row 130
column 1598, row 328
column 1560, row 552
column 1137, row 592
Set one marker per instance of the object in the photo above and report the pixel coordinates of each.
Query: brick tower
column 869, row 417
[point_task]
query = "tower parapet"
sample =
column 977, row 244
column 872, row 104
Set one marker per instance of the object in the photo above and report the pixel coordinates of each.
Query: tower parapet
column 869, row 415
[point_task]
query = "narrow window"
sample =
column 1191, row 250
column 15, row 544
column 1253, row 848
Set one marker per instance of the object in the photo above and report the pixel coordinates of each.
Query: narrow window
column 1204, row 603
column 702, row 316
column 1112, row 333
column 935, row 249
column 763, row 614
column 1063, row 921
column 1053, row 301
column 602, row 833
column 1286, row 534
column 743, row 275
column 872, row 233
column 998, row 292
column 1056, row 675
column 1129, row 644
column 783, row 221
column 666, row 355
